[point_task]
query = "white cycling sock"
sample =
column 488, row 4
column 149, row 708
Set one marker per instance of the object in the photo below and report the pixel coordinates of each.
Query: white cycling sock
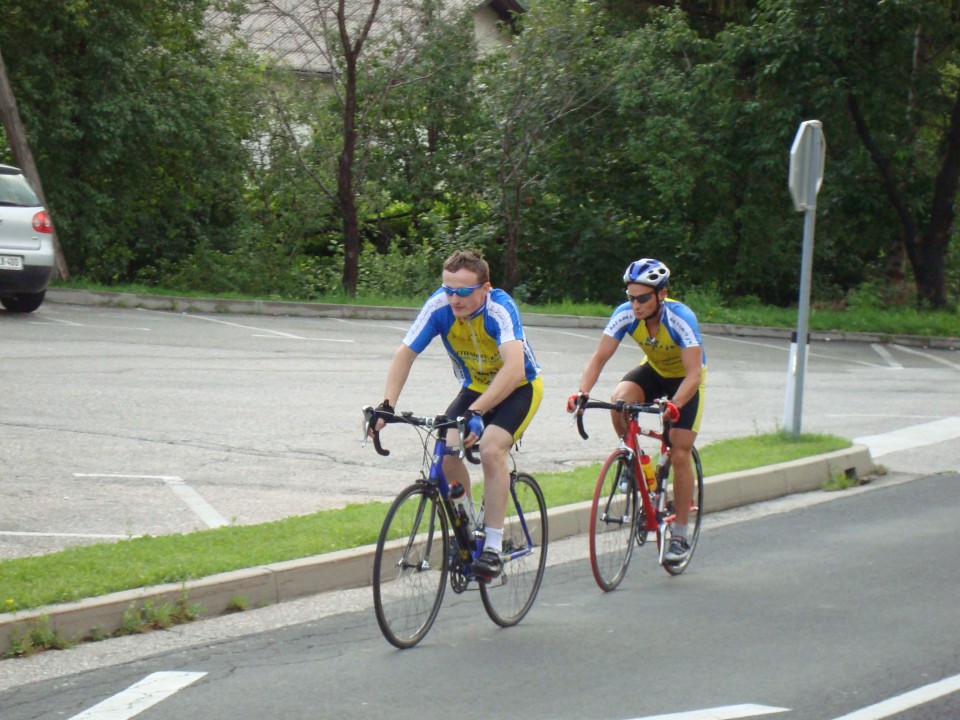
column 679, row 531
column 494, row 539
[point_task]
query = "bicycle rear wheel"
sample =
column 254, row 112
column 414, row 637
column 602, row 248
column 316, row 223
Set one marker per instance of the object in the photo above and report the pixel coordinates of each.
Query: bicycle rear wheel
column 409, row 567
column 613, row 521
column 508, row 598
column 693, row 523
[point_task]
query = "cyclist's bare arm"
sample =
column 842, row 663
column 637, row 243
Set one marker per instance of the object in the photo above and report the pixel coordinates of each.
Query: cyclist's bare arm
column 397, row 375
column 591, row 373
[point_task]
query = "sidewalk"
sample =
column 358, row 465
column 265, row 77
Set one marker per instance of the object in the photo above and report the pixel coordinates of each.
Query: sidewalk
column 269, row 584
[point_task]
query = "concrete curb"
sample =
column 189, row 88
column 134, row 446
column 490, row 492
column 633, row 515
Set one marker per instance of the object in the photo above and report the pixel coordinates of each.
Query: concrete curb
column 371, row 312
column 269, row 584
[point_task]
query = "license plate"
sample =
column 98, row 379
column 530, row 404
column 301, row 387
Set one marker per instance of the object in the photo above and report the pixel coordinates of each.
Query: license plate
column 11, row 262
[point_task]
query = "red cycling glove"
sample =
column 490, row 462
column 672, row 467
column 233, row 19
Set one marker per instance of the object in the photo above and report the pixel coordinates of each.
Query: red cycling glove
column 671, row 411
column 576, row 402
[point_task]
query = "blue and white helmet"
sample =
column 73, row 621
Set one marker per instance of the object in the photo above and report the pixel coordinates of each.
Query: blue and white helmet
column 647, row 271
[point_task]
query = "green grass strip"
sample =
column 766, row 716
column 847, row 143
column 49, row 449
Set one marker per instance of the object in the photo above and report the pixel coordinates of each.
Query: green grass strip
column 93, row 570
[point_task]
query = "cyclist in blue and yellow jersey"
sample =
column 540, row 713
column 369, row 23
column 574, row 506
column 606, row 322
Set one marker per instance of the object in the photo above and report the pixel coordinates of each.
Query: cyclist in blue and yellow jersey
column 674, row 367
column 501, row 384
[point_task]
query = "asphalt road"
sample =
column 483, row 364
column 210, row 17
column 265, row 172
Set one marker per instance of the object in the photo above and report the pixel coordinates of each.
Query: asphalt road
column 124, row 422
column 816, row 607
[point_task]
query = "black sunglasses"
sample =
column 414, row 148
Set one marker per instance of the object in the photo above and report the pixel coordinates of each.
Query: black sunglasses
column 640, row 298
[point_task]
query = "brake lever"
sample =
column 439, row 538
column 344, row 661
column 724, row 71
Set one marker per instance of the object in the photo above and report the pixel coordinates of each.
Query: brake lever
column 370, row 415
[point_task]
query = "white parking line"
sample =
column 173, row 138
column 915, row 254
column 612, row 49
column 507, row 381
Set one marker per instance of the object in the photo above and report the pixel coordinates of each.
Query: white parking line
column 908, row 700
column 97, row 536
column 138, row 697
column 729, row 712
column 885, row 354
column 204, row 510
column 928, row 356
column 269, row 333
column 911, row 437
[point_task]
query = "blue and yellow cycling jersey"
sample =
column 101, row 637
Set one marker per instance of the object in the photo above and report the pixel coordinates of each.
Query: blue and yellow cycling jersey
column 678, row 330
column 473, row 344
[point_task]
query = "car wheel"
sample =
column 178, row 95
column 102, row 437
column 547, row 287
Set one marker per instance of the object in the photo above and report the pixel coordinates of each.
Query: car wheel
column 25, row 303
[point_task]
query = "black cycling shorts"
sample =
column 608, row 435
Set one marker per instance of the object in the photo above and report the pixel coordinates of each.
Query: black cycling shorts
column 656, row 386
column 513, row 414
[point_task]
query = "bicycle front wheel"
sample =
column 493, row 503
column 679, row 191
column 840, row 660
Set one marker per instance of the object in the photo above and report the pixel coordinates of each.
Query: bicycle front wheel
column 409, row 567
column 695, row 517
column 612, row 521
column 509, row 597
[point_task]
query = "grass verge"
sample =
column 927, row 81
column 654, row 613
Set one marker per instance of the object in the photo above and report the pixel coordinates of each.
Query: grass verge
column 102, row 568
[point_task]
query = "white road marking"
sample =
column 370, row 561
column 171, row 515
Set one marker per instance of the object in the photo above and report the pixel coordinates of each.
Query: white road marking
column 54, row 321
column 911, row 437
column 138, row 697
column 204, row 510
column 595, row 337
column 929, row 356
column 269, row 333
column 787, row 348
column 98, row 536
column 885, row 354
column 902, row 703
column 730, row 712
column 368, row 324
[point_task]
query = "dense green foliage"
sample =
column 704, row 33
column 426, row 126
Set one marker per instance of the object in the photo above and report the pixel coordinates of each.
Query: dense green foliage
column 604, row 131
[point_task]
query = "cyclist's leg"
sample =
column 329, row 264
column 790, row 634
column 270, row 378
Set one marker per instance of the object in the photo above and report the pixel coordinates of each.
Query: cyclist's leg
column 505, row 425
column 682, row 436
column 453, row 467
column 494, row 453
column 637, row 386
column 681, row 442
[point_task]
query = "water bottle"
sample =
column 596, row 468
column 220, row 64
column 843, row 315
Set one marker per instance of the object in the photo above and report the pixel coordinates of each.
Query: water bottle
column 649, row 473
column 461, row 502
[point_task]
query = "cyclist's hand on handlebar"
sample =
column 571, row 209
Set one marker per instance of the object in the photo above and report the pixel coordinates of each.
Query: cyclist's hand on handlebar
column 576, row 402
column 671, row 411
column 379, row 421
column 474, row 426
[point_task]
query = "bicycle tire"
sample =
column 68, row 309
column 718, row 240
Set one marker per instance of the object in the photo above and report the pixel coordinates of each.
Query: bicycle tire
column 509, row 597
column 410, row 566
column 693, row 523
column 613, row 522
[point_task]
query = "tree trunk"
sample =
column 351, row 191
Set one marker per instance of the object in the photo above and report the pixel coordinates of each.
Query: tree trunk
column 24, row 158
column 345, row 196
column 511, row 265
column 932, row 250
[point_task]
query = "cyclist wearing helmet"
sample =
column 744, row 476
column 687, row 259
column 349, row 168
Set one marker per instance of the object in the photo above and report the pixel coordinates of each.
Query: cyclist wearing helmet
column 674, row 366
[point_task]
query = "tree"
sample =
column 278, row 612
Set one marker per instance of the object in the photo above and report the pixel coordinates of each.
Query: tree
column 20, row 148
column 137, row 119
column 534, row 92
column 367, row 53
column 885, row 76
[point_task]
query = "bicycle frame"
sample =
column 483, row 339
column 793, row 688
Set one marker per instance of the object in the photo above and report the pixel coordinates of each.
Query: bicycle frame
column 656, row 518
column 468, row 547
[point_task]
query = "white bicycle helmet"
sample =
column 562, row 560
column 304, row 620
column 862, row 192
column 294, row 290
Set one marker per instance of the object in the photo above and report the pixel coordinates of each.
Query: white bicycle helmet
column 647, row 271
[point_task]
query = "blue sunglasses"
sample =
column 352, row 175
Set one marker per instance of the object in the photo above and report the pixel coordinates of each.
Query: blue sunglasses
column 462, row 292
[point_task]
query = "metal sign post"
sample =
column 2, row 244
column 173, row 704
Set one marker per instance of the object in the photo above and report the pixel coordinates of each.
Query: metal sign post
column 807, row 157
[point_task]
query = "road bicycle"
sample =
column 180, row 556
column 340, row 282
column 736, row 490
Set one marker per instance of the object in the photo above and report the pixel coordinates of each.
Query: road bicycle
column 629, row 505
column 425, row 540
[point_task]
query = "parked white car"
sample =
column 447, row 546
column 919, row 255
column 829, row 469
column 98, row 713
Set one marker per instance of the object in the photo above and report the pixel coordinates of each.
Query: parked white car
column 26, row 244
